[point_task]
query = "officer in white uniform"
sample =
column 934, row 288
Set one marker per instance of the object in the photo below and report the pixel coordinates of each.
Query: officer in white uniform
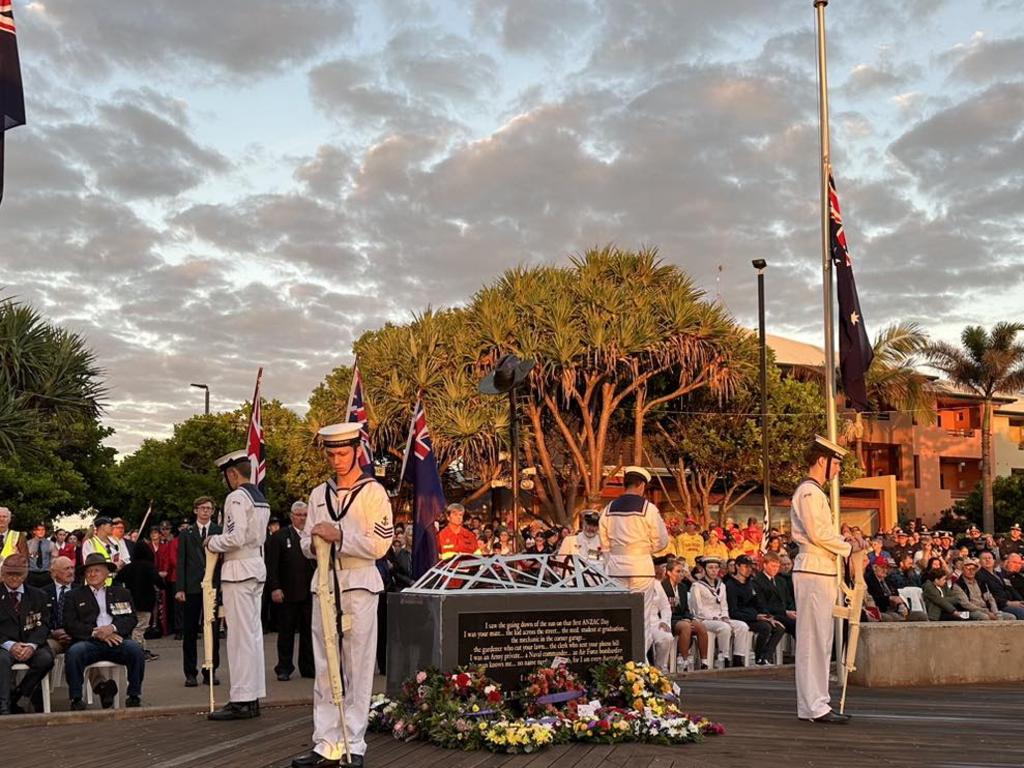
column 631, row 531
column 587, row 543
column 711, row 606
column 815, row 581
column 352, row 511
column 242, row 576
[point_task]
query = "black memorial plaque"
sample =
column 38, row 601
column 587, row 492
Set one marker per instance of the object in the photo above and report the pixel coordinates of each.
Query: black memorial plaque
column 510, row 633
column 511, row 644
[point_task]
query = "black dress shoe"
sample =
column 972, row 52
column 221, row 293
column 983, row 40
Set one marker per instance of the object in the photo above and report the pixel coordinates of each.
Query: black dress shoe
column 77, row 705
column 831, row 718
column 206, row 679
column 313, row 760
column 236, row 710
column 284, row 677
column 355, row 762
column 133, row 701
column 191, row 682
column 107, row 690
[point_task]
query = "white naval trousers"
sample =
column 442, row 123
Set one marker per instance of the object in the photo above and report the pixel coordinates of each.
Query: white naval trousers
column 245, row 639
column 664, row 645
column 815, row 597
column 729, row 634
column 359, row 653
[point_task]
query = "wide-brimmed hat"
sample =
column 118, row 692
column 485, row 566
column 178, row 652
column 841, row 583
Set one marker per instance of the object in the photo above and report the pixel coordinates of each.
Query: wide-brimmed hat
column 15, row 563
column 97, row 559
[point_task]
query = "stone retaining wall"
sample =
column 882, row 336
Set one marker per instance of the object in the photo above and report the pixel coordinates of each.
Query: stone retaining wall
column 939, row 653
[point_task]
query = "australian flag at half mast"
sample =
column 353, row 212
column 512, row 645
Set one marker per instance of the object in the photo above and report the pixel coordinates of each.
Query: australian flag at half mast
column 357, row 412
column 12, row 98
column 420, row 469
column 855, row 352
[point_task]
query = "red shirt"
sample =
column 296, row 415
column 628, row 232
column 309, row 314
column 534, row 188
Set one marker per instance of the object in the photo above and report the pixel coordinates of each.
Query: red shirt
column 450, row 543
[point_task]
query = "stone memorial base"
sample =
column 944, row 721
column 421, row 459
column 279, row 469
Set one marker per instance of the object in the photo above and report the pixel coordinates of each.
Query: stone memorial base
column 510, row 634
column 939, row 653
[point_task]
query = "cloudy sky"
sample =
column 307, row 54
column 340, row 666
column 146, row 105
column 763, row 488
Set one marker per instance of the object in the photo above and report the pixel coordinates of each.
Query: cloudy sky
column 204, row 187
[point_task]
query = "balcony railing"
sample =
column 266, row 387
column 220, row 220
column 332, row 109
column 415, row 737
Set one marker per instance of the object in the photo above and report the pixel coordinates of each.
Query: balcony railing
column 960, row 432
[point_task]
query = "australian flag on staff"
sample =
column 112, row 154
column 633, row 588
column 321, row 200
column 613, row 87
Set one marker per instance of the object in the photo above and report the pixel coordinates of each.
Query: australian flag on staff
column 12, row 98
column 357, row 412
column 855, row 351
column 254, row 442
column 420, row 469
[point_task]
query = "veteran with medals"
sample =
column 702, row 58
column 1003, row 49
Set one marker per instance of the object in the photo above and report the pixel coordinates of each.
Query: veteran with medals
column 815, row 581
column 242, row 576
column 352, row 513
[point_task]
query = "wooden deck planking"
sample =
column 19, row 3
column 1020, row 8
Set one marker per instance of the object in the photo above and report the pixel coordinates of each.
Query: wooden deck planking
column 951, row 727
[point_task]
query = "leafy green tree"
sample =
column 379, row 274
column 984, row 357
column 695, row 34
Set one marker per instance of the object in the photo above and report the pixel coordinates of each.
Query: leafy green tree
column 985, row 364
column 1008, row 503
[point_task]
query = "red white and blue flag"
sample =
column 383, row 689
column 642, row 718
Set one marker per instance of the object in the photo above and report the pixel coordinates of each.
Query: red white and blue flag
column 855, row 350
column 254, row 441
column 357, row 412
column 419, row 467
column 12, row 97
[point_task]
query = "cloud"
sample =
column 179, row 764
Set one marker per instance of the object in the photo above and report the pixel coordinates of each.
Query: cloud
column 983, row 60
column 240, row 37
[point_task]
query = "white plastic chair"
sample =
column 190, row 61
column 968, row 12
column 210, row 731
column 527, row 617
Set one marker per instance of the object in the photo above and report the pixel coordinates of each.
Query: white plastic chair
column 914, row 598
column 44, row 685
column 109, row 669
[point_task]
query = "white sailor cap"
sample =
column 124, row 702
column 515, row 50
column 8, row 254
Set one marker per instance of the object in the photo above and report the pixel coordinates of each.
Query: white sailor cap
column 338, row 435
column 230, row 459
column 825, row 447
column 639, row 471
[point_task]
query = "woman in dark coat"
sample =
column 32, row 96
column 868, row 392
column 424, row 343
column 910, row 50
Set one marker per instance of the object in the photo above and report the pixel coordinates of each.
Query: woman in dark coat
column 141, row 579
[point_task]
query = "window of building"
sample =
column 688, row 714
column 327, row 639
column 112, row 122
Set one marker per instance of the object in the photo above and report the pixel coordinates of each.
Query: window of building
column 917, row 471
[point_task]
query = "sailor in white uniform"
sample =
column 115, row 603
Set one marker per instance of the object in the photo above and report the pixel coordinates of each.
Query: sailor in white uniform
column 352, row 512
column 242, row 576
column 711, row 606
column 815, row 581
column 631, row 531
column 587, row 543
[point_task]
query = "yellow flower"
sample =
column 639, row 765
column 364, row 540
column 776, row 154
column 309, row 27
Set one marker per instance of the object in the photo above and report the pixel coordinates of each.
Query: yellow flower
column 476, row 707
column 630, row 665
column 638, row 703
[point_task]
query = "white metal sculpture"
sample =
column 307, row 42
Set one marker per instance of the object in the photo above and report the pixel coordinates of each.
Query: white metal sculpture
column 515, row 573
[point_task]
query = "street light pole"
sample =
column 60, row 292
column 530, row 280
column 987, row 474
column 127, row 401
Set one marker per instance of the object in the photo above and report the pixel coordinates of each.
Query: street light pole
column 206, row 389
column 766, row 480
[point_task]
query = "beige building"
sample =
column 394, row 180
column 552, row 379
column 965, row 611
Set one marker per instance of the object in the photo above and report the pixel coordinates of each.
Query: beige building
column 934, row 464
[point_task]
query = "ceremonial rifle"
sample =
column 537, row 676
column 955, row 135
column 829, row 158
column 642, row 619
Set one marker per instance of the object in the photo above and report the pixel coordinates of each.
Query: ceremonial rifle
column 334, row 627
column 850, row 613
column 210, row 618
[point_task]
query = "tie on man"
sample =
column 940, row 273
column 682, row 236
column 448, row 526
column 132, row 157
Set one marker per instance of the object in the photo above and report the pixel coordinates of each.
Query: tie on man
column 58, row 613
column 15, row 600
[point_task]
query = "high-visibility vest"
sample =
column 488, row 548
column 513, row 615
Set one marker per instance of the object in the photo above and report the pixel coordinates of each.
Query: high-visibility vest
column 99, row 547
column 10, row 545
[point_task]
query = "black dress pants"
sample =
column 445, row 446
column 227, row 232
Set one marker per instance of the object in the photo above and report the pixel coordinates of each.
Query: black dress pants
column 292, row 619
column 192, row 617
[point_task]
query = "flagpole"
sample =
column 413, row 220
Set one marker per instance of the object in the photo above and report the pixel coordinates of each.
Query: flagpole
column 408, row 442
column 828, row 298
column 352, row 389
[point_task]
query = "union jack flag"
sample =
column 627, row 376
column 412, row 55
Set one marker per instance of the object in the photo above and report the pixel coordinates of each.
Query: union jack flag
column 12, row 97
column 419, row 467
column 357, row 412
column 855, row 350
column 254, row 442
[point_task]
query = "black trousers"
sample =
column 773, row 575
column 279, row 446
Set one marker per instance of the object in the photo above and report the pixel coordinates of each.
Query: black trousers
column 292, row 619
column 40, row 663
column 767, row 637
column 192, row 618
column 788, row 623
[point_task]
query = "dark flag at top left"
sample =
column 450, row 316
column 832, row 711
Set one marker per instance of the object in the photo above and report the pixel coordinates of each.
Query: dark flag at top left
column 12, row 98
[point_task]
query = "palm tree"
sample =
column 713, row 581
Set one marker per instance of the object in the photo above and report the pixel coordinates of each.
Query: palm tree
column 985, row 364
column 893, row 381
column 48, row 378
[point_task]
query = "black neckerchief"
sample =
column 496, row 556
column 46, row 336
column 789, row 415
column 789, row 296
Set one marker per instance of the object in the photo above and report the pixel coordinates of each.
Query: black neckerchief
column 353, row 492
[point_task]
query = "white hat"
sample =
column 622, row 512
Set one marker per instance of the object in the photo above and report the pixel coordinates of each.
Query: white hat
column 338, row 435
column 230, row 459
column 637, row 471
column 826, row 446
